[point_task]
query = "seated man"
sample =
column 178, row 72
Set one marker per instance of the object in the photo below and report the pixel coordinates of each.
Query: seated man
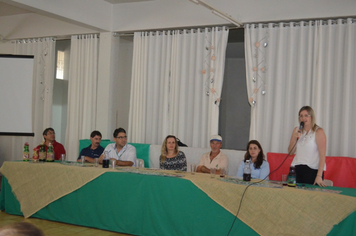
column 121, row 151
column 50, row 137
column 94, row 150
column 214, row 158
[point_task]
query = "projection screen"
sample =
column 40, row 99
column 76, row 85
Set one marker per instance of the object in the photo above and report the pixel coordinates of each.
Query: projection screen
column 16, row 76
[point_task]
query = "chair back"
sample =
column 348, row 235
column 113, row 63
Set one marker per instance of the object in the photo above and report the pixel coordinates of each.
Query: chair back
column 328, row 182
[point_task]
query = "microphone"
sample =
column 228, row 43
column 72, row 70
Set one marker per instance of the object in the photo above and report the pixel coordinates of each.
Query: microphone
column 301, row 126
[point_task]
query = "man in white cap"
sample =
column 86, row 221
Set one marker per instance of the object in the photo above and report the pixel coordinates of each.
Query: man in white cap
column 214, row 158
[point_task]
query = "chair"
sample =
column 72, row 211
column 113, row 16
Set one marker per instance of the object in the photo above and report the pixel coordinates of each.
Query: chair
column 140, row 163
column 328, row 182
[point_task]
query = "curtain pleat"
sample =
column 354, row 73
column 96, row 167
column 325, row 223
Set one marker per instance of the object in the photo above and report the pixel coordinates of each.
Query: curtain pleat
column 334, row 97
column 176, row 85
column 43, row 50
column 298, row 64
column 82, row 91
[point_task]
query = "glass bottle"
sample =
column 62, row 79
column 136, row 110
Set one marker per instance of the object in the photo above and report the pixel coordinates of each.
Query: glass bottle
column 35, row 155
column 247, row 171
column 42, row 153
column 26, row 152
column 50, row 154
column 291, row 179
column 106, row 159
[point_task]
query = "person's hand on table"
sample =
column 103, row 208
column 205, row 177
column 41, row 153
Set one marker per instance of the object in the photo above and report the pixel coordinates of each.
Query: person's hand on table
column 319, row 181
column 205, row 169
column 101, row 158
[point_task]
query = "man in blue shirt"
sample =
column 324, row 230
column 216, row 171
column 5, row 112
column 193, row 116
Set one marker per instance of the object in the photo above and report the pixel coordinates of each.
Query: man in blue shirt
column 94, row 150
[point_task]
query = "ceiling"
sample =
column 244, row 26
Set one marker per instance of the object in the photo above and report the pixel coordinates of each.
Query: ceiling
column 8, row 10
column 125, row 1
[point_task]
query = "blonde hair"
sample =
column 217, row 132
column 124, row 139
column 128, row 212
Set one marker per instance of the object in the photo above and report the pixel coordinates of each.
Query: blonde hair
column 312, row 115
column 164, row 150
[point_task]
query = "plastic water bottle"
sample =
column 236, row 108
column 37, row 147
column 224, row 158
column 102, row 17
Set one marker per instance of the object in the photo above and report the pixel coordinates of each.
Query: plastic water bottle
column 42, row 153
column 26, row 152
column 247, row 171
column 291, row 179
column 50, row 154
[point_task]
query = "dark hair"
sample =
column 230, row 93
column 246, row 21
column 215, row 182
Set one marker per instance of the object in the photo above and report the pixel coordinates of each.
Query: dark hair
column 21, row 229
column 119, row 130
column 260, row 156
column 95, row 133
column 46, row 131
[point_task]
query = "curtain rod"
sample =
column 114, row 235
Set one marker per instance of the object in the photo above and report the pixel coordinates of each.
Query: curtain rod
column 218, row 12
column 131, row 34
column 304, row 22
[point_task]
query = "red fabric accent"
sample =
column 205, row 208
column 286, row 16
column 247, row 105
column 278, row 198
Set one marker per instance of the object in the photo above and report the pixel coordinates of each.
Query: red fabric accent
column 341, row 170
column 338, row 169
column 274, row 160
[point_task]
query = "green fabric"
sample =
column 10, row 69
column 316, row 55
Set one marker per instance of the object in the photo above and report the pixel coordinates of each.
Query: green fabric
column 139, row 205
column 344, row 191
column 147, row 205
column 142, row 150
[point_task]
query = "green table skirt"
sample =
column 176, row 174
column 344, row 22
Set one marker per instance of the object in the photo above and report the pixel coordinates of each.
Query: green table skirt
column 137, row 204
column 145, row 205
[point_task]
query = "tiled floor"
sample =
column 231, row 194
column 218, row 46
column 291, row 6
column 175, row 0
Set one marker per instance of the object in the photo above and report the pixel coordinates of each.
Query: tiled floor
column 50, row 228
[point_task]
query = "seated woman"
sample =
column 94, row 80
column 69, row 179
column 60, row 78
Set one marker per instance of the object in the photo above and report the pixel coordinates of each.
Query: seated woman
column 171, row 158
column 259, row 166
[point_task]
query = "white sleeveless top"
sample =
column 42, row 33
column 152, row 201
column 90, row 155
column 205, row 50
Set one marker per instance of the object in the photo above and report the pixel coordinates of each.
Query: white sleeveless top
column 307, row 151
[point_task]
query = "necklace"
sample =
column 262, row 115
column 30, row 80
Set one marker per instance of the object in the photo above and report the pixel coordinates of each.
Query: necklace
column 306, row 137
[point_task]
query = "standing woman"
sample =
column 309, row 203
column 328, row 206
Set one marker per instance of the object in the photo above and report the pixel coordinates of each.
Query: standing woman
column 310, row 149
column 171, row 158
column 259, row 166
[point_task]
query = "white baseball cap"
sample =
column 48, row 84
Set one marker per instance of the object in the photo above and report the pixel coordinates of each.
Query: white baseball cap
column 216, row 138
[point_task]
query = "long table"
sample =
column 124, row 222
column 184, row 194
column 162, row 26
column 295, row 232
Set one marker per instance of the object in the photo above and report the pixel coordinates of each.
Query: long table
column 142, row 204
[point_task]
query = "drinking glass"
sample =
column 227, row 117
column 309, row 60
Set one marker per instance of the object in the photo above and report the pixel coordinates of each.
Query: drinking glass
column 63, row 158
column 113, row 162
column 193, row 168
column 284, row 180
column 222, row 172
column 212, row 172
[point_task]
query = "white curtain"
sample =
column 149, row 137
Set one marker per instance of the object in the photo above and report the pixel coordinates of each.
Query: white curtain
column 296, row 64
column 176, row 85
column 82, row 91
column 43, row 50
column 334, row 98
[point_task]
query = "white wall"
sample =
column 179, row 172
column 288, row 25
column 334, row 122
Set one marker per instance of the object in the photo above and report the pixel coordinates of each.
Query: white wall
column 32, row 25
column 94, row 13
column 183, row 13
column 124, row 62
column 7, row 48
column 59, row 109
column 102, row 16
